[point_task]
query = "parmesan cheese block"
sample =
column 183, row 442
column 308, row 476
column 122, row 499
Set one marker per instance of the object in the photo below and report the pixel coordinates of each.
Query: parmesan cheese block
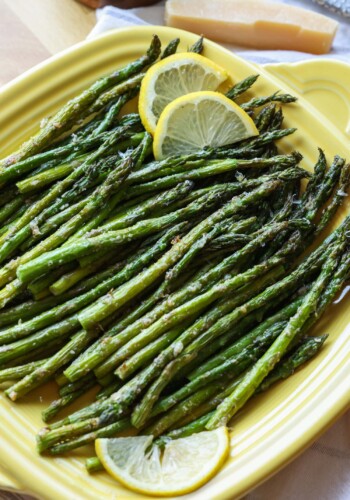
column 254, row 23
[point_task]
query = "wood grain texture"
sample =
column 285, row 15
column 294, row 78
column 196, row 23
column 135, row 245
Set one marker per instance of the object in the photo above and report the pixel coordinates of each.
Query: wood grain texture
column 33, row 30
column 58, row 24
column 19, row 48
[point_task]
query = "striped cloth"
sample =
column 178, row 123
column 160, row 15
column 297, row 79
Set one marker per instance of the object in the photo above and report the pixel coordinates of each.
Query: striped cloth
column 111, row 18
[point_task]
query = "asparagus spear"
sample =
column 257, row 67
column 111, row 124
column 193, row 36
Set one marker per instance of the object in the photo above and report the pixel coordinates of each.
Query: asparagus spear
column 336, row 283
column 196, row 425
column 43, row 283
column 287, row 366
column 228, row 242
column 61, row 170
column 280, row 316
column 138, row 157
column 337, row 201
column 273, row 292
column 187, row 407
column 149, row 351
column 182, row 246
column 131, row 316
column 206, row 239
column 264, row 118
column 133, row 265
column 204, row 299
column 66, row 116
column 7, row 195
column 192, row 308
column 243, row 327
column 10, row 291
column 59, row 404
column 242, row 354
column 241, row 87
column 94, row 409
column 112, row 183
column 183, row 163
column 261, row 101
column 317, row 177
column 19, row 371
column 153, row 203
column 68, row 388
column 310, row 206
column 33, row 343
column 91, row 244
column 209, row 396
column 48, row 160
column 128, row 86
column 68, row 280
column 107, row 391
column 171, row 48
column 53, row 223
column 30, row 308
column 230, row 188
column 277, row 119
column 66, row 254
column 78, row 342
column 256, row 146
column 47, row 440
column 12, row 206
column 138, row 358
column 93, row 465
column 199, row 416
column 261, row 369
column 42, row 179
column 113, row 111
column 331, row 178
column 208, row 167
column 69, row 148
column 112, row 343
column 109, row 410
column 23, row 228
column 197, row 47
column 131, row 390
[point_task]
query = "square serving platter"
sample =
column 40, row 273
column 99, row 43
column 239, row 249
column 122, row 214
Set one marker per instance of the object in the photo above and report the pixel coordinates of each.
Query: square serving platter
column 274, row 427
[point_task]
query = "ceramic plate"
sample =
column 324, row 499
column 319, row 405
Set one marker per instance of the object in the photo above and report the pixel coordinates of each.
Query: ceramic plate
column 274, row 427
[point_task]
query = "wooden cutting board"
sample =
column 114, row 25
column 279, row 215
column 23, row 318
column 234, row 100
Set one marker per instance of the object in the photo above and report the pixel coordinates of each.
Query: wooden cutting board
column 32, row 30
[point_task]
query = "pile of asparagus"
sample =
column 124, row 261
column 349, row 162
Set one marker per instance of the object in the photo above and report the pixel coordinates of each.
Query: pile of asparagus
column 179, row 288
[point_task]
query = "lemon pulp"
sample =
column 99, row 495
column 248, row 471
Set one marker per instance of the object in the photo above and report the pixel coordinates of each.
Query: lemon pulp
column 173, row 77
column 200, row 119
column 182, row 466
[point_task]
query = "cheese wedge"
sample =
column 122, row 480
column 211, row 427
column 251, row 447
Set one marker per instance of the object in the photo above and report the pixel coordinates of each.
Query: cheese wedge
column 254, row 23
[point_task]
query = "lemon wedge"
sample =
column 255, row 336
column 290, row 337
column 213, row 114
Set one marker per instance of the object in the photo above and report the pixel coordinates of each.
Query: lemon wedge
column 200, row 119
column 173, row 77
column 183, row 465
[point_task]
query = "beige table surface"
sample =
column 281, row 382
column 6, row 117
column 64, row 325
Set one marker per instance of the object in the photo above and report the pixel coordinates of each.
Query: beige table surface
column 31, row 31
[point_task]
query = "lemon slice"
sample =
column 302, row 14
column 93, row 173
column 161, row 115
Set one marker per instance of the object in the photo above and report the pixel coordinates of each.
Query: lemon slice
column 173, row 77
column 182, row 466
column 200, row 119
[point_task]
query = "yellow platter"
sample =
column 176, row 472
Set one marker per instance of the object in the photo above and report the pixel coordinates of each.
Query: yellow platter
column 275, row 426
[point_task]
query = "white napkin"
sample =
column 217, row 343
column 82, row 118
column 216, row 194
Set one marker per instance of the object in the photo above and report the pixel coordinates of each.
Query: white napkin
column 323, row 471
column 111, row 17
